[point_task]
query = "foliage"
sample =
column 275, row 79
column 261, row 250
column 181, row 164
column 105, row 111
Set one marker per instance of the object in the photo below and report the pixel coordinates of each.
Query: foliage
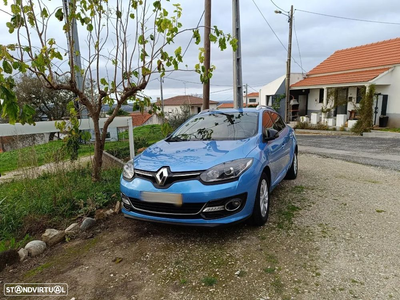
column 336, row 98
column 365, row 112
column 177, row 118
column 52, row 104
column 120, row 112
column 52, row 199
column 132, row 39
column 71, row 129
column 276, row 105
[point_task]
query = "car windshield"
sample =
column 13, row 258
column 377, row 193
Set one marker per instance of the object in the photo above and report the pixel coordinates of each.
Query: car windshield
column 217, row 126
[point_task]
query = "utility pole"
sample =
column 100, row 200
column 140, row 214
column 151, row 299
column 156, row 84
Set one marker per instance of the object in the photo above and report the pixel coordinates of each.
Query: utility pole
column 237, row 57
column 162, row 98
column 73, row 38
column 288, row 65
column 207, row 53
column 247, row 97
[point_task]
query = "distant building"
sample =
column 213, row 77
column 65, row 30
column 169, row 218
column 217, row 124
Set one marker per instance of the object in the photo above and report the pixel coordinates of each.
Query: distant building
column 173, row 105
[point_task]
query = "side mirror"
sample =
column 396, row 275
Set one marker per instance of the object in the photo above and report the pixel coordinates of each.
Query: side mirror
column 270, row 134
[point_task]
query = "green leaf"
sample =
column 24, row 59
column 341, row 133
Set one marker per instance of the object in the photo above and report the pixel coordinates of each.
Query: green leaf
column 213, row 38
column 59, row 14
column 44, row 13
column 119, row 14
column 7, row 67
column 103, row 81
column 89, row 27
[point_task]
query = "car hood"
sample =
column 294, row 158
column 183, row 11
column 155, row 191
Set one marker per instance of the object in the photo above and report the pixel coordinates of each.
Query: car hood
column 192, row 155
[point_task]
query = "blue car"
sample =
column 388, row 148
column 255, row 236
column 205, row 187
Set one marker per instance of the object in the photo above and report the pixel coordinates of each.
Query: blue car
column 218, row 168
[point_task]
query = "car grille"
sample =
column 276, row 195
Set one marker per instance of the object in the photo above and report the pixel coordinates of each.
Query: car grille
column 187, row 209
column 172, row 178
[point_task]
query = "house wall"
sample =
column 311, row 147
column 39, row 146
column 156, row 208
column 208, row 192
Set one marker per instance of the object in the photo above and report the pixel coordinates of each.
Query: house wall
column 175, row 109
column 313, row 102
column 393, row 90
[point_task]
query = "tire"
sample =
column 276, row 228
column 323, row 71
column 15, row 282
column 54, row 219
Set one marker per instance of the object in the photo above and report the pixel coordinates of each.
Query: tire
column 294, row 168
column 261, row 203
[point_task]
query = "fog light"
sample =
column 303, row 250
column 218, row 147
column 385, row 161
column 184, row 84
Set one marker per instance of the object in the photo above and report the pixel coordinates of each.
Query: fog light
column 213, row 208
column 125, row 199
column 233, row 204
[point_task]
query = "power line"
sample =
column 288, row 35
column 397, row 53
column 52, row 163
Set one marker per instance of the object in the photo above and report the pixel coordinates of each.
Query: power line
column 347, row 18
column 277, row 6
column 198, row 24
column 225, row 90
column 297, row 41
column 273, row 31
column 194, row 82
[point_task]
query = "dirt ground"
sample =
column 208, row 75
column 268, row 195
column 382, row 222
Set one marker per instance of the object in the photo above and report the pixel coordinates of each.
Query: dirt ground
column 332, row 234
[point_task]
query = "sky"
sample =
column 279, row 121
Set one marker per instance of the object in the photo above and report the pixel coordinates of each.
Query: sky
column 264, row 39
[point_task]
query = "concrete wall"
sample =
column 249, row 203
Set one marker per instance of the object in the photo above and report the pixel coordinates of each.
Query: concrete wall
column 21, row 141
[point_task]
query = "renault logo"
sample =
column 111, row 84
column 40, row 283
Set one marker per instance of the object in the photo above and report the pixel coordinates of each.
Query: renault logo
column 162, row 176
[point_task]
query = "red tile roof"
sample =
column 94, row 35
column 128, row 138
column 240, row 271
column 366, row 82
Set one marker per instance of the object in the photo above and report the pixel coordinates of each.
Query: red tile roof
column 252, row 95
column 381, row 54
column 139, row 119
column 185, row 99
column 348, row 77
column 230, row 105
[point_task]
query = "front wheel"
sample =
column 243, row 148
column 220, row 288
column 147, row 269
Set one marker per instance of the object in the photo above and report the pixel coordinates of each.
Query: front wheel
column 292, row 172
column 261, row 204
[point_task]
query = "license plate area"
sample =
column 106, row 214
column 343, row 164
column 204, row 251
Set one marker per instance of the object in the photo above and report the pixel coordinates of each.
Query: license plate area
column 169, row 198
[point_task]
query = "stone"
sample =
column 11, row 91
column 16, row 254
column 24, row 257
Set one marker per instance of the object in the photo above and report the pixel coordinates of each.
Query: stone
column 23, row 254
column 72, row 229
column 110, row 212
column 87, row 223
column 117, row 208
column 53, row 236
column 35, row 247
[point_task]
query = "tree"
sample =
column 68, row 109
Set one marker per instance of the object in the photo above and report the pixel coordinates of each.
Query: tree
column 125, row 44
column 49, row 103
column 365, row 122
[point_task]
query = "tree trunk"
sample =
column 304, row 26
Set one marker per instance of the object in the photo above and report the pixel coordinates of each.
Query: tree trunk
column 51, row 136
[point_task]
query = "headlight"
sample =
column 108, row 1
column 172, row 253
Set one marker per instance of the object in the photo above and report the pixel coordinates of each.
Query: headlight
column 129, row 171
column 226, row 171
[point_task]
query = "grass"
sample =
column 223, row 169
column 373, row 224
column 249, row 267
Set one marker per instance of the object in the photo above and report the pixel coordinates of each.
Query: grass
column 29, row 206
column 391, row 129
column 209, row 281
column 42, row 154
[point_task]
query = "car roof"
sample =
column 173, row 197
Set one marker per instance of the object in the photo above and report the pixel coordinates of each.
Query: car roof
column 234, row 110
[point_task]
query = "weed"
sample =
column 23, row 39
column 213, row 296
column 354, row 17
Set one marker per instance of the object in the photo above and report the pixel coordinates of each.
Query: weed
column 298, row 189
column 286, row 216
column 278, row 285
column 380, row 211
column 269, row 270
column 183, row 281
column 209, row 281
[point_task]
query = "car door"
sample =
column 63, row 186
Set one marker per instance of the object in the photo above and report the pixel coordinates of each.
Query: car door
column 284, row 133
column 273, row 149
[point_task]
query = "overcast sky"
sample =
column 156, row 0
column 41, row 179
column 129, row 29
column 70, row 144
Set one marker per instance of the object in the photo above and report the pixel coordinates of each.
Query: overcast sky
column 264, row 55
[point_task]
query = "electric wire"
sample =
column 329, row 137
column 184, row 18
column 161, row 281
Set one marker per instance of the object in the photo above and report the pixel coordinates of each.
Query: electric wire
column 273, row 31
column 347, row 18
column 297, row 41
column 277, row 6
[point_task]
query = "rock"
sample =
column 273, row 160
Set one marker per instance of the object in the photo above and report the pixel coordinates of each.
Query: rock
column 53, row 236
column 117, row 208
column 35, row 247
column 109, row 212
column 23, row 254
column 72, row 229
column 7, row 258
column 87, row 223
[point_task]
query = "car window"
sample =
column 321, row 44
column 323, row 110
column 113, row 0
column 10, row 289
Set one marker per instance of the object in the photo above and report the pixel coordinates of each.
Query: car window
column 267, row 121
column 217, row 126
column 277, row 121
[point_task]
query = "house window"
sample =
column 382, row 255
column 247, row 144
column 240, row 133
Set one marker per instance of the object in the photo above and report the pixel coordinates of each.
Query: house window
column 359, row 95
column 252, row 100
column 321, row 95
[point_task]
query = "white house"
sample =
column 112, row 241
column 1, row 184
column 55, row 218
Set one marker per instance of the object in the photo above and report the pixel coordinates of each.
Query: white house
column 349, row 70
column 173, row 105
column 269, row 92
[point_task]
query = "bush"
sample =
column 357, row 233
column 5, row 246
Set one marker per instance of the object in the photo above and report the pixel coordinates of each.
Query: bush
column 365, row 123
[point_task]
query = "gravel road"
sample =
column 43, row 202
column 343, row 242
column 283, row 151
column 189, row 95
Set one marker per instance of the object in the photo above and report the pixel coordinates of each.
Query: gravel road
column 381, row 152
column 333, row 233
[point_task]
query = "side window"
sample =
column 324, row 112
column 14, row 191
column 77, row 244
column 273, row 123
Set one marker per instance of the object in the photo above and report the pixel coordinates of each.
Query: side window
column 266, row 122
column 279, row 125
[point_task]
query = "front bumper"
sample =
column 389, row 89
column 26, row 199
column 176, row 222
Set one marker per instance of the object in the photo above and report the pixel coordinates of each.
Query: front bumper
column 195, row 197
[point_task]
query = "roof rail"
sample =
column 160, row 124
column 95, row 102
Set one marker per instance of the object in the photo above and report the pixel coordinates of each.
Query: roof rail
column 206, row 110
column 261, row 106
